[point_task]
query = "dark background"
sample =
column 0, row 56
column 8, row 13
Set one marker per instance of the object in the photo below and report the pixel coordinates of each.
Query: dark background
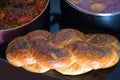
column 61, row 19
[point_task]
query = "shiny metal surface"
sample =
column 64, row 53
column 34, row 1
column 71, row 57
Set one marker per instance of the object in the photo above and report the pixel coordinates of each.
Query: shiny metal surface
column 71, row 16
column 90, row 12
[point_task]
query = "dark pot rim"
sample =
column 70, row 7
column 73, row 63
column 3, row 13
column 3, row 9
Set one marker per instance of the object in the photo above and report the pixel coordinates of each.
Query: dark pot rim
column 90, row 12
column 29, row 21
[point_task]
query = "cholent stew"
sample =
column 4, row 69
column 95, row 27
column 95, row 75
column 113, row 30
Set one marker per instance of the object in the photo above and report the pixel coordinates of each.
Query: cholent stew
column 14, row 13
column 100, row 6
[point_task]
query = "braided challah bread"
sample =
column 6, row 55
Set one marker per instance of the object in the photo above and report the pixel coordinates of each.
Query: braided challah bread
column 69, row 51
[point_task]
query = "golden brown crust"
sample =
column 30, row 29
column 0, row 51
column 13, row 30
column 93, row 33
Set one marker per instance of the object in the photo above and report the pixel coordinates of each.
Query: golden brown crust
column 65, row 36
column 68, row 51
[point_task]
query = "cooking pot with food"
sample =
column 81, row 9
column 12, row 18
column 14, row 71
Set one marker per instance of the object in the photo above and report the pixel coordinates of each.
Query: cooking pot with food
column 91, row 15
column 18, row 17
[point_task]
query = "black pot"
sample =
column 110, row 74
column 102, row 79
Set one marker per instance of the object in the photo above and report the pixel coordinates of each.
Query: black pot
column 89, row 22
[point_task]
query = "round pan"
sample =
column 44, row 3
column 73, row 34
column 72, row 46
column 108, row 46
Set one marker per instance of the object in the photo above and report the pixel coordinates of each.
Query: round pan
column 39, row 22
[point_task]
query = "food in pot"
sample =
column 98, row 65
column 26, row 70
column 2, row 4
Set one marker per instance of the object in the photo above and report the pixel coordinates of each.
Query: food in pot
column 76, row 1
column 97, row 7
column 101, row 6
column 15, row 13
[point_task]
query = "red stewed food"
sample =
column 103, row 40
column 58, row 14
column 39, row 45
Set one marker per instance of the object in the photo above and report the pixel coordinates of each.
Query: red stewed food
column 14, row 13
